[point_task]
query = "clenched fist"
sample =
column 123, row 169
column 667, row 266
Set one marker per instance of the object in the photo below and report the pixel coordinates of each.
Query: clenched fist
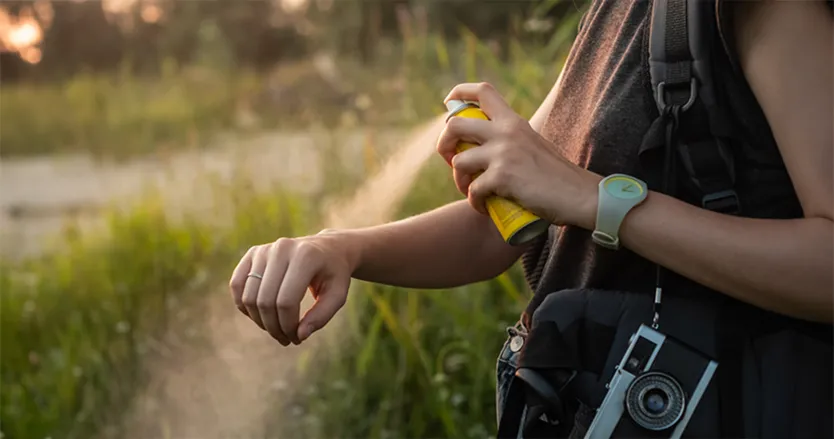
column 271, row 280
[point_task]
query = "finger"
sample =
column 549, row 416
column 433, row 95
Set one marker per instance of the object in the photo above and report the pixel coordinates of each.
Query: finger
column 462, row 129
column 276, row 267
column 487, row 97
column 469, row 164
column 331, row 299
column 250, row 290
column 474, row 160
column 238, row 280
column 482, row 189
column 300, row 272
column 462, row 181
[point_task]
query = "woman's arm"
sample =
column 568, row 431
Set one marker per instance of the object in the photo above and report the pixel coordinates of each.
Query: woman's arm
column 786, row 266
column 447, row 247
column 785, row 50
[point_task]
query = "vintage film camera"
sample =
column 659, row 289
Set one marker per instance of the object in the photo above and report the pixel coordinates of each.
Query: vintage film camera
column 657, row 385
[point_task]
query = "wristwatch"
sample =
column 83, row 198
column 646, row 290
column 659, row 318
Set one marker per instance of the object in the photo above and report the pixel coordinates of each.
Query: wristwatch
column 618, row 194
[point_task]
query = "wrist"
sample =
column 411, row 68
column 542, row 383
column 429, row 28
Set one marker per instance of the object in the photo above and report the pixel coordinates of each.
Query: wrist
column 590, row 203
column 351, row 243
column 355, row 243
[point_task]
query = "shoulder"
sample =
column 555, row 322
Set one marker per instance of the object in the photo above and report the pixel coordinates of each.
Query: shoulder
column 740, row 21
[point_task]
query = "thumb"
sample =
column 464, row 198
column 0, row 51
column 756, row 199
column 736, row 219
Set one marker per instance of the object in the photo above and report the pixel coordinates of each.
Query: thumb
column 328, row 302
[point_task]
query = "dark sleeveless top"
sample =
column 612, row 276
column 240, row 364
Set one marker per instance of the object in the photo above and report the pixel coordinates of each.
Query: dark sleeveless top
column 601, row 112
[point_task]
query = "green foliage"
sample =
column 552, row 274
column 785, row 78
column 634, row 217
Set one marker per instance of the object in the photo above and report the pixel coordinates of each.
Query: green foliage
column 412, row 363
column 117, row 116
column 71, row 323
column 421, row 364
column 78, row 326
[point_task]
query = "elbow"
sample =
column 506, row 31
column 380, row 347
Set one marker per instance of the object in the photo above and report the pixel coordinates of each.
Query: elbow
column 820, row 303
column 801, row 284
column 818, row 295
column 820, row 306
column 496, row 266
column 821, row 311
column 813, row 304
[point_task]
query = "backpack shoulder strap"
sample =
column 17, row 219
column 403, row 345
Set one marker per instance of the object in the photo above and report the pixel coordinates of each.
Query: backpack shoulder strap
column 681, row 61
column 681, row 49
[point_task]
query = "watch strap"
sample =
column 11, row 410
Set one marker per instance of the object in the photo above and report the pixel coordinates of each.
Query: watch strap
column 609, row 218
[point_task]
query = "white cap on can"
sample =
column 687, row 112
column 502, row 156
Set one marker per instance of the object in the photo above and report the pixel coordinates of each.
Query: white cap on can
column 455, row 106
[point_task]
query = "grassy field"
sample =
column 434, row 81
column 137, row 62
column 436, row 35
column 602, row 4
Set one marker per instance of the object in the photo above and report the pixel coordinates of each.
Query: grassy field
column 77, row 326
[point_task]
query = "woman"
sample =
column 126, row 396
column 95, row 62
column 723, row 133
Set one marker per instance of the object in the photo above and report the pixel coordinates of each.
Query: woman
column 774, row 258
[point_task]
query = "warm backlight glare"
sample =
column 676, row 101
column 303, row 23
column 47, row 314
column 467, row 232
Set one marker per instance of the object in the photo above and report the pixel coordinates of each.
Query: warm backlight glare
column 151, row 13
column 24, row 35
column 21, row 34
column 32, row 55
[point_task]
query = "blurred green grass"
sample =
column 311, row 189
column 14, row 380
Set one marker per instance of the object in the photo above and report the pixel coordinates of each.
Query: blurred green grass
column 76, row 325
column 117, row 115
column 123, row 115
column 410, row 363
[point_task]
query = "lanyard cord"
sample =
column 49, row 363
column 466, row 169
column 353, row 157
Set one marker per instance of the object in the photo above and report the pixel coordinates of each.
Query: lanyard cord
column 672, row 116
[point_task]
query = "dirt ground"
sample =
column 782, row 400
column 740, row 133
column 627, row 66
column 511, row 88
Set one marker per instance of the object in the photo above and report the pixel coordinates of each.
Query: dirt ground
column 38, row 195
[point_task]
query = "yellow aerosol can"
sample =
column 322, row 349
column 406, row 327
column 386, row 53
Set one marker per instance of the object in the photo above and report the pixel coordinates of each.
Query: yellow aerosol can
column 516, row 224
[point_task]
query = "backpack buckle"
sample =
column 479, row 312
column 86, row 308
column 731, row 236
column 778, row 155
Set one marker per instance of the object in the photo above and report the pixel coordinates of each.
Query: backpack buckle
column 660, row 97
column 551, row 395
column 723, row 202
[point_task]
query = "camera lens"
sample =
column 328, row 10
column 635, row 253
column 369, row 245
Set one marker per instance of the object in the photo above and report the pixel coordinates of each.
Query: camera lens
column 655, row 401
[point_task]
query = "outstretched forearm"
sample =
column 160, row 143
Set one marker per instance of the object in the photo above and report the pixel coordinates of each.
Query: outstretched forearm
column 448, row 247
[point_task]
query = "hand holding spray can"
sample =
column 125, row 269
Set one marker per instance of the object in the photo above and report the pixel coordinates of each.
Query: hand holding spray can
column 516, row 224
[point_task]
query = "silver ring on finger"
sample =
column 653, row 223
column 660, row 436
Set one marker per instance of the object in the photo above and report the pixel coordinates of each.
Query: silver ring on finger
column 255, row 275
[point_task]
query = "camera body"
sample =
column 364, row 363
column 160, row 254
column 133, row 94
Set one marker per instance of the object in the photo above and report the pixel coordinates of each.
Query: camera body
column 655, row 388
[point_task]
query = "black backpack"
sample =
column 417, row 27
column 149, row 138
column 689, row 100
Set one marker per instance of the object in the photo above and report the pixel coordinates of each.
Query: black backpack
column 765, row 359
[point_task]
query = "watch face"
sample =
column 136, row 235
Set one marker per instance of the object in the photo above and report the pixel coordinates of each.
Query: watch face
column 624, row 187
